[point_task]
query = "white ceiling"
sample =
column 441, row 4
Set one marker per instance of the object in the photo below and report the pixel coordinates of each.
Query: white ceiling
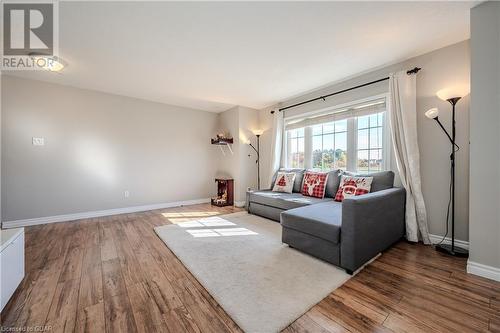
column 213, row 55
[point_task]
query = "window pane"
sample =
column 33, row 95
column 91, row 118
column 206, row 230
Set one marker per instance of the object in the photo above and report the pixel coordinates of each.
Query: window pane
column 374, row 120
column 317, row 151
column 363, row 139
column 362, row 161
column 328, row 151
column 375, row 138
column 341, row 125
column 293, row 145
column 317, row 129
column 317, row 159
column 363, row 122
column 317, row 142
column 295, row 159
column 341, row 141
column 301, row 145
column 328, row 159
column 341, row 159
column 375, row 160
column 328, row 142
column 328, row 128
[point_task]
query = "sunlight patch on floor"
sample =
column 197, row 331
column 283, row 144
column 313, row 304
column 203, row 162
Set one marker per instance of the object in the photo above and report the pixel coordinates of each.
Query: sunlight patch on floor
column 180, row 217
column 190, row 214
column 207, row 222
column 226, row 232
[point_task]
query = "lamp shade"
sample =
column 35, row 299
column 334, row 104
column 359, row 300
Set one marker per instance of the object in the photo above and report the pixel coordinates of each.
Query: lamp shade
column 258, row 132
column 453, row 91
column 432, row 113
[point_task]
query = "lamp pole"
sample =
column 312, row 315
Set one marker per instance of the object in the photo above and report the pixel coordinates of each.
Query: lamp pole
column 455, row 251
column 258, row 161
column 258, row 158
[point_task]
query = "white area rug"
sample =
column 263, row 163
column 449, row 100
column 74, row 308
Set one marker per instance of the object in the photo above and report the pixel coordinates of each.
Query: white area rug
column 261, row 283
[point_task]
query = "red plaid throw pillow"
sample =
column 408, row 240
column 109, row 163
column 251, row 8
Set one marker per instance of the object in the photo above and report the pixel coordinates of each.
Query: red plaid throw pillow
column 352, row 186
column 314, row 184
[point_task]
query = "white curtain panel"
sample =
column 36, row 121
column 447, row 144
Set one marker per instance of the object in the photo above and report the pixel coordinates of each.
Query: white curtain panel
column 276, row 144
column 403, row 124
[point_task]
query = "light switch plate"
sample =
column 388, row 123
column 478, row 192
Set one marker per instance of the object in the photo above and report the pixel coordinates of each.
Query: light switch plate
column 38, row 141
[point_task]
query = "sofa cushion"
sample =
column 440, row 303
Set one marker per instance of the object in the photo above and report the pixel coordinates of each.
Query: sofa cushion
column 332, row 184
column 314, row 184
column 323, row 220
column 283, row 200
column 284, row 182
column 351, row 186
column 297, row 185
column 382, row 180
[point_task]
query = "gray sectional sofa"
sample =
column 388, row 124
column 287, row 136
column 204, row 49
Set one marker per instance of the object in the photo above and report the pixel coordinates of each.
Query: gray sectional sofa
column 346, row 234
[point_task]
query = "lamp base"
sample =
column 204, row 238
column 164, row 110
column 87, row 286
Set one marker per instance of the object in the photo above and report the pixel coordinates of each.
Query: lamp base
column 457, row 251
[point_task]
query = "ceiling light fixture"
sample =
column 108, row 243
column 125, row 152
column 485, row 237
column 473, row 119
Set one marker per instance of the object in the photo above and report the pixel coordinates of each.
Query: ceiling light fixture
column 48, row 63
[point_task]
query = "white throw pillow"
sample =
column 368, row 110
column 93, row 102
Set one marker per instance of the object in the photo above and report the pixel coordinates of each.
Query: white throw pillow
column 284, row 182
column 351, row 186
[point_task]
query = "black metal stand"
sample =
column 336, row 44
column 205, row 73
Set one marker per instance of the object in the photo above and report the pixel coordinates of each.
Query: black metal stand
column 258, row 159
column 258, row 162
column 451, row 249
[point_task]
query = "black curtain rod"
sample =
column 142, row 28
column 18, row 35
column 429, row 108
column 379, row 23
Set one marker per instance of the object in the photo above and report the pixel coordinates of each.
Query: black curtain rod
column 409, row 72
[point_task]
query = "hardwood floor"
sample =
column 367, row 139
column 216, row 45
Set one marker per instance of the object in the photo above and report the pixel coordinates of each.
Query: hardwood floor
column 114, row 274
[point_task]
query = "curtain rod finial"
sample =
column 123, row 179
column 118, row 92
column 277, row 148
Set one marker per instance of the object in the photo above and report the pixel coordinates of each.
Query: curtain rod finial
column 413, row 71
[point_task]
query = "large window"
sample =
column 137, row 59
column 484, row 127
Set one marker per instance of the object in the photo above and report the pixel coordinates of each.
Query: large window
column 354, row 139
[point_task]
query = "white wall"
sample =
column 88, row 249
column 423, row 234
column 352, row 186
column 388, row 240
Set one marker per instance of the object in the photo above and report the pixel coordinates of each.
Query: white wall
column 442, row 68
column 248, row 123
column 97, row 146
column 485, row 139
column 239, row 122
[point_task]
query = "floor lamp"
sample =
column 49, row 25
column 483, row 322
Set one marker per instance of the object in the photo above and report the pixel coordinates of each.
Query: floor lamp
column 433, row 114
column 257, row 133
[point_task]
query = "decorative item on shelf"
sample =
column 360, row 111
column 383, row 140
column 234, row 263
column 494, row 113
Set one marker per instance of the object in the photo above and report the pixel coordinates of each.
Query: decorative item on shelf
column 225, row 192
column 222, row 140
column 257, row 133
column 451, row 96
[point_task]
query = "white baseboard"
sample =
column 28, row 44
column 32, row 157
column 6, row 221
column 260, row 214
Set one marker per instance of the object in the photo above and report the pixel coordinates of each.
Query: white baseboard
column 475, row 268
column 460, row 243
column 240, row 204
column 99, row 213
column 486, row 271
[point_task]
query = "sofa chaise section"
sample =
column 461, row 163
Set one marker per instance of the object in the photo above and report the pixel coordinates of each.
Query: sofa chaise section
column 350, row 233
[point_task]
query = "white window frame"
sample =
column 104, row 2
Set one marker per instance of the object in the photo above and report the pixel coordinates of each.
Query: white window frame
column 352, row 135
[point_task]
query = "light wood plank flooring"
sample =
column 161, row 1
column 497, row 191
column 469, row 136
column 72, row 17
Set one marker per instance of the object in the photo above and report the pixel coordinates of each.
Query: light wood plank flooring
column 113, row 274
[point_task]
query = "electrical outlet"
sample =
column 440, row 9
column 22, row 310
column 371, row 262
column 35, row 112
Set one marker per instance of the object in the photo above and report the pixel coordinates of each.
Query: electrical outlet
column 126, row 194
column 38, row 141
